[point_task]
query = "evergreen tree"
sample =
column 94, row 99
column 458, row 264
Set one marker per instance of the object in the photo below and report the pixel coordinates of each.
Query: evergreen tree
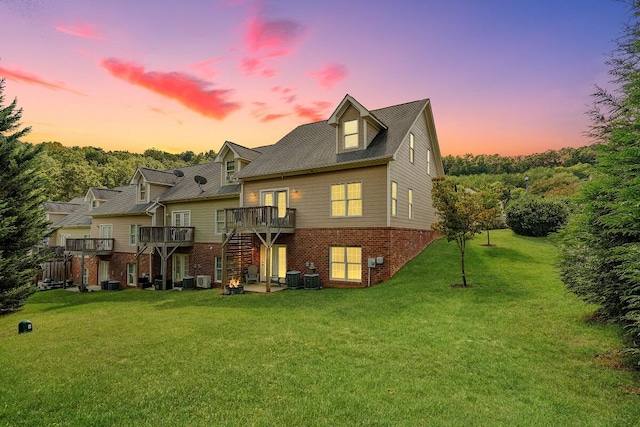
column 601, row 251
column 22, row 219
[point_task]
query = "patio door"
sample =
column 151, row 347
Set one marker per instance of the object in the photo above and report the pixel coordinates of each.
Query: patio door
column 103, row 271
column 276, row 198
column 278, row 261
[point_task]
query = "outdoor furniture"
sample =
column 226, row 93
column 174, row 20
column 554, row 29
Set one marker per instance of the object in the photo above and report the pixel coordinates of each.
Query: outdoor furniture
column 252, row 275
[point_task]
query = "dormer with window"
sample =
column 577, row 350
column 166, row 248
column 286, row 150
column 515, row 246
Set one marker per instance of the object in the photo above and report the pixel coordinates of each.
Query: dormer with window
column 355, row 126
column 151, row 183
column 232, row 158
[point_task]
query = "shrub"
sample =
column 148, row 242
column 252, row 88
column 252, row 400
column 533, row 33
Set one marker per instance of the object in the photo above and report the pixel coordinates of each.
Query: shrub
column 531, row 216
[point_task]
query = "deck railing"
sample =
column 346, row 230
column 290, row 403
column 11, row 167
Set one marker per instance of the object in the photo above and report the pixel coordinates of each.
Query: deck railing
column 169, row 235
column 260, row 218
column 89, row 245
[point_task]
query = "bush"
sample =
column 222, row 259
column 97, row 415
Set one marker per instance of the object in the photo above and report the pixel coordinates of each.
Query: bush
column 531, row 216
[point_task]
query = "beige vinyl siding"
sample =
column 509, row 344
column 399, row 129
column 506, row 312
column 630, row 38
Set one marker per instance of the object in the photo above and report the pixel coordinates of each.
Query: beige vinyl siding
column 71, row 232
column 156, row 191
column 312, row 196
column 414, row 176
column 120, row 230
column 203, row 217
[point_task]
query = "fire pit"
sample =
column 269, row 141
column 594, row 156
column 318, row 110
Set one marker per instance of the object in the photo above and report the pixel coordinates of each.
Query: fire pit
column 234, row 287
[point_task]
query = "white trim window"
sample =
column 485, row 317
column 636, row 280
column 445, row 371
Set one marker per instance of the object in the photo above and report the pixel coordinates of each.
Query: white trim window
column 131, row 274
column 181, row 218
column 428, row 162
column 143, row 192
column 133, row 234
column 220, row 221
column 230, row 170
column 394, row 198
column 412, row 147
column 410, row 199
column 345, row 263
column 180, row 267
column 217, row 277
column 350, row 134
column 106, row 231
column 346, row 200
column 85, row 276
column 276, row 197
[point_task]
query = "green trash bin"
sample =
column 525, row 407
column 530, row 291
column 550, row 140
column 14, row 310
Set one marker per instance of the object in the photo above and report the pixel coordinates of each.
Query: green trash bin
column 25, row 326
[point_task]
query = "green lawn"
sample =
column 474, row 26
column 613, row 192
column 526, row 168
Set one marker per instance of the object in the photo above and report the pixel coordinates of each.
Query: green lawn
column 515, row 349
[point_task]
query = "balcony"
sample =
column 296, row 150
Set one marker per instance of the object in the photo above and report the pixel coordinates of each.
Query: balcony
column 100, row 246
column 169, row 236
column 260, row 219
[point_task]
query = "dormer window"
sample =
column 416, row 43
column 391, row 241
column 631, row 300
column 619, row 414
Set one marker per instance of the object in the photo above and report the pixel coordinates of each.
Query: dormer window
column 142, row 192
column 94, row 203
column 230, row 170
column 350, row 133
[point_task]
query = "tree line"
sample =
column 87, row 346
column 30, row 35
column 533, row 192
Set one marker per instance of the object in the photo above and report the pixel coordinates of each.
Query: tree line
column 67, row 172
column 496, row 164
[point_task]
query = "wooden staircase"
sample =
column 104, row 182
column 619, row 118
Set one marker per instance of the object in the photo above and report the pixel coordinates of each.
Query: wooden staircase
column 238, row 255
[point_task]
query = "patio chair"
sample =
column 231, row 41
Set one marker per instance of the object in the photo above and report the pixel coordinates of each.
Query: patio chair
column 252, row 274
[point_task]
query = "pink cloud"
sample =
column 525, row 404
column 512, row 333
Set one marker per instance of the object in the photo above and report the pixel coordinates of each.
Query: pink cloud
column 272, row 117
column 206, row 68
column 249, row 66
column 330, row 75
column 85, row 31
column 285, row 91
column 265, row 37
column 187, row 90
column 23, row 77
column 315, row 113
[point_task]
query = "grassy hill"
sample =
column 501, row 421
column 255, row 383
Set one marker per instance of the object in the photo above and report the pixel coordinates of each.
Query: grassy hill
column 514, row 349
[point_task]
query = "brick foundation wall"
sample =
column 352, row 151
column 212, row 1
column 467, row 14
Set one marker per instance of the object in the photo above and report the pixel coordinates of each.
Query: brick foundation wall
column 396, row 246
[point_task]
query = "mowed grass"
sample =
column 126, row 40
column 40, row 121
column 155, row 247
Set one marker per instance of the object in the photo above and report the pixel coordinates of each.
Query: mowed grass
column 515, row 349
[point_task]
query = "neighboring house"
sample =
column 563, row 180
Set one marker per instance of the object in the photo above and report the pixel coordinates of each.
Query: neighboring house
column 162, row 225
column 348, row 190
column 346, row 200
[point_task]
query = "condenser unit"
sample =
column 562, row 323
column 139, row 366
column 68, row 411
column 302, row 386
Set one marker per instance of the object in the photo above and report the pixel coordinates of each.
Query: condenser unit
column 203, row 281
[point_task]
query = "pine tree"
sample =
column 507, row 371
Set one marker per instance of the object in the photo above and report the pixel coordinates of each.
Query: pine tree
column 22, row 219
column 601, row 250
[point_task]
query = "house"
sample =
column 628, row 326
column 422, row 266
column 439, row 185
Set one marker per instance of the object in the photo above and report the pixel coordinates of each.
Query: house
column 346, row 202
column 162, row 225
column 351, row 195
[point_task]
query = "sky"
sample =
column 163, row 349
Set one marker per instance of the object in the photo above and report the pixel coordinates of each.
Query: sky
column 509, row 77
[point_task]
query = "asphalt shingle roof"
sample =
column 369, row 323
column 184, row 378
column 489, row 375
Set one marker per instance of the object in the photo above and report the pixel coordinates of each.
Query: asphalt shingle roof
column 313, row 146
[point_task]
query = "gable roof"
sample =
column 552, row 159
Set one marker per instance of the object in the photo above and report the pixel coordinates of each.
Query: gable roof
column 350, row 101
column 101, row 193
column 79, row 218
column 61, row 207
column 184, row 188
column 154, row 176
column 312, row 147
column 239, row 151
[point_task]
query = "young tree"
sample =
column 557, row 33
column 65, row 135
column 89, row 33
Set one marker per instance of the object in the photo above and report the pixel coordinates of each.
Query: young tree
column 491, row 214
column 459, row 213
column 22, row 219
column 601, row 251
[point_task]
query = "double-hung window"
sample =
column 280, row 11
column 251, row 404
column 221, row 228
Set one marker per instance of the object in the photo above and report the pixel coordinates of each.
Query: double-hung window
column 218, row 269
column 412, row 148
column 133, row 234
column 346, row 199
column 346, row 263
column 219, row 221
column 230, row 170
column 142, row 192
column 394, row 198
column 350, row 134
column 428, row 162
column 410, row 204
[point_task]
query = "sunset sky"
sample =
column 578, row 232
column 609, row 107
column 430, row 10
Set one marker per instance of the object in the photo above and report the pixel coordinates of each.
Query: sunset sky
column 504, row 76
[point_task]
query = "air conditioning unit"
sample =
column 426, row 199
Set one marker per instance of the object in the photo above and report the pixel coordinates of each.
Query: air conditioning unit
column 203, row 281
